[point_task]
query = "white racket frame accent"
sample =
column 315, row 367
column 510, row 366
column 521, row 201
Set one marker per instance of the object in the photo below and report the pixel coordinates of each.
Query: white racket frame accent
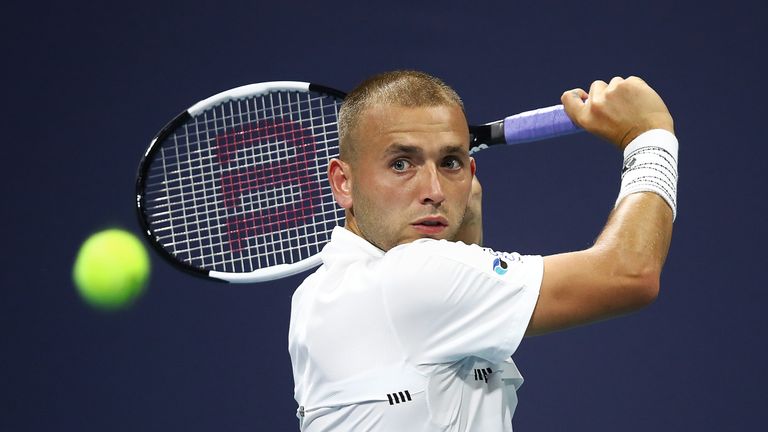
column 245, row 91
column 269, row 273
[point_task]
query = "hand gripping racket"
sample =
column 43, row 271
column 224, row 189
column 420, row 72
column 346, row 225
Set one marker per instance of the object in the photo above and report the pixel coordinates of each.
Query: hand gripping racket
column 235, row 189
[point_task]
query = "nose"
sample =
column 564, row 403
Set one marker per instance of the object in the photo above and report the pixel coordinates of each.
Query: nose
column 431, row 186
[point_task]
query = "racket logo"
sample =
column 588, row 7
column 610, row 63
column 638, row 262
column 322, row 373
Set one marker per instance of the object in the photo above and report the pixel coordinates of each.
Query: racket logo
column 500, row 266
column 266, row 192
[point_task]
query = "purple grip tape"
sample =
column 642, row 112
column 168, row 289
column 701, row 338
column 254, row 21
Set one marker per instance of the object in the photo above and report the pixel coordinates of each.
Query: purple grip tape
column 538, row 125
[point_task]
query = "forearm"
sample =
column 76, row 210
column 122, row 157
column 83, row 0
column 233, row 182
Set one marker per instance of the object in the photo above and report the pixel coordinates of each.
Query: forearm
column 617, row 275
column 636, row 239
column 638, row 232
column 471, row 230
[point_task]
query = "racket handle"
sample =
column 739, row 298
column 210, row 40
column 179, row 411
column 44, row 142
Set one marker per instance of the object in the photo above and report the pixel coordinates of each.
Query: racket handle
column 538, row 124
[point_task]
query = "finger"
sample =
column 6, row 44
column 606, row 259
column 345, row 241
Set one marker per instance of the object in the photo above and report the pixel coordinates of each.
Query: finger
column 636, row 78
column 573, row 102
column 579, row 93
column 615, row 81
column 597, row 87
column 637, row 82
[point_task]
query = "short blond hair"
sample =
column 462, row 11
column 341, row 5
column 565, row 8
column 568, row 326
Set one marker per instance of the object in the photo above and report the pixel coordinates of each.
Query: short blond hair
column 406, row 88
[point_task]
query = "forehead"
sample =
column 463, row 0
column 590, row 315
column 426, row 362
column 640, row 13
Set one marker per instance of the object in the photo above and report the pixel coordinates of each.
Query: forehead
column 387, row 123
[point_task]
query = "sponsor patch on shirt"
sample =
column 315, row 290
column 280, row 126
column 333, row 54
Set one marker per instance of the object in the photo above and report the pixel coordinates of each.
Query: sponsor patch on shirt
column 502, row 260
column 500, row 266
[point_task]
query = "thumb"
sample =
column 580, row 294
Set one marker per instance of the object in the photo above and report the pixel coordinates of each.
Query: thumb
column 573, row 101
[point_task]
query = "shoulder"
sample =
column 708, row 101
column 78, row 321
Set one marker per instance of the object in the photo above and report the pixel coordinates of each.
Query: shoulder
column 433, row 269
column 450, row 300
column 308, row 285
column 470, row 258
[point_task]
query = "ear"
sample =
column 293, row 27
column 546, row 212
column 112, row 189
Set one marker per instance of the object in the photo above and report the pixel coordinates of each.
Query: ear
column 472, row 166
column 339, row 175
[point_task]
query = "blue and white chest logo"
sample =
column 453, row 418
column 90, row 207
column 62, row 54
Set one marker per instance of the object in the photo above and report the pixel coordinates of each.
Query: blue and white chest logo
column 500, row 266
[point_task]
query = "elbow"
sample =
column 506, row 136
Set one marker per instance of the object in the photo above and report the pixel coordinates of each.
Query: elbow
column 641, row 289
column 634, row 278
column 648, row 291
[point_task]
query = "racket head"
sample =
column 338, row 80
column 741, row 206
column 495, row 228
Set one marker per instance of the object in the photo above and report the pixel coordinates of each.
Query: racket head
column 235, row 187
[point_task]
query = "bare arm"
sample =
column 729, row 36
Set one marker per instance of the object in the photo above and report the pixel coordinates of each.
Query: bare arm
column 621, row 272
column 471, row 231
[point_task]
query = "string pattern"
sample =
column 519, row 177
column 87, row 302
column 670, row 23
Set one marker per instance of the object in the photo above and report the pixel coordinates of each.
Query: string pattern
column 242, row 186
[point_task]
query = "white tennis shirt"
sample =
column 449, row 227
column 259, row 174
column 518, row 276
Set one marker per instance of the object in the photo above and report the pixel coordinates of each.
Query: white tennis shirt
column 415, row 339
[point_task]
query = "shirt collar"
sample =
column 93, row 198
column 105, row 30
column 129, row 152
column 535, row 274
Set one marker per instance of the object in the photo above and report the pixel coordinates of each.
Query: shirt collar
column 346, row 245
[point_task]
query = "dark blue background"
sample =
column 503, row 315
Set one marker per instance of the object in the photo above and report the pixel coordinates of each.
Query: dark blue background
column 87, row 85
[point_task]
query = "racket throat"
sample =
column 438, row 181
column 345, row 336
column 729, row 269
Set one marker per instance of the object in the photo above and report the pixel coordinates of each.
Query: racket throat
column 483, row 136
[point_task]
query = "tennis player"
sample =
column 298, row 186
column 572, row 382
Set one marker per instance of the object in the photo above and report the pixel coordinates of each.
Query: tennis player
column 409, row 324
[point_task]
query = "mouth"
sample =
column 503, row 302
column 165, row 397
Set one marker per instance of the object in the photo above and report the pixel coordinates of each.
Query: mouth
column 430, row 225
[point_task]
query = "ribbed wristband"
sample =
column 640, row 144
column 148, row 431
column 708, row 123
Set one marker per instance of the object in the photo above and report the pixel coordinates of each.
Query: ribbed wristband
column 650, row 165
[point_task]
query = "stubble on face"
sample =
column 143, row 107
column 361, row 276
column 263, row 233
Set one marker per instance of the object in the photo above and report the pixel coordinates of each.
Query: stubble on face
column 385, row 204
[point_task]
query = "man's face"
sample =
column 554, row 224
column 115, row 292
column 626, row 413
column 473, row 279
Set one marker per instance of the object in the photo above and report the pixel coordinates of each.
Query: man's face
column 411, row 175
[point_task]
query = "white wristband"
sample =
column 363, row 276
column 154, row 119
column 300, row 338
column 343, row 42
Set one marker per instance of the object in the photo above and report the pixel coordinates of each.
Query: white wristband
column 650, row 165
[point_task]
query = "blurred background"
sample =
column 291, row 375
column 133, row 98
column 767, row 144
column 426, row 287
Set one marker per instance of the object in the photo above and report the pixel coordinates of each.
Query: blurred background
column 86, row 85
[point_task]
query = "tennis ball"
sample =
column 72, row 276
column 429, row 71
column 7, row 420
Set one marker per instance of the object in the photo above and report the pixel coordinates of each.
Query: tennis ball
column 111, row 269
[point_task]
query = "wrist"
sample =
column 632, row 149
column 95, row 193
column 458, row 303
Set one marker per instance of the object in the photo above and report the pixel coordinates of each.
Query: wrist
column 650, row 165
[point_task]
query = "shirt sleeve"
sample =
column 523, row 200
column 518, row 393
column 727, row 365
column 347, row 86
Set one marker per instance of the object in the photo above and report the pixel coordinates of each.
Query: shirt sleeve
column 447, row 301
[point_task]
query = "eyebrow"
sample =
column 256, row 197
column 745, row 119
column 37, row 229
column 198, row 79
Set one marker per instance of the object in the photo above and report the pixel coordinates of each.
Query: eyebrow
column 414, row 150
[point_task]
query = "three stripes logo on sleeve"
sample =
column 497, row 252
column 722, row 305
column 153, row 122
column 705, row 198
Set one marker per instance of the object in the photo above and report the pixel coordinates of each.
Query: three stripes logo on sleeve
column 482, row 374
column 398, row 397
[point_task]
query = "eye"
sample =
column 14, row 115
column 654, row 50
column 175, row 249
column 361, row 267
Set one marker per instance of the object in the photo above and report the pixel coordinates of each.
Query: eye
column 452, row 163
column 400, row 165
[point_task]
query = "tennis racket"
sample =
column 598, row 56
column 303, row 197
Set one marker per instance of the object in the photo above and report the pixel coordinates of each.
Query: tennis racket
column 234, row 188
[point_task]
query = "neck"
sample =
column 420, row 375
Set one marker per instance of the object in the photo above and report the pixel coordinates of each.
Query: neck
column 350, row 223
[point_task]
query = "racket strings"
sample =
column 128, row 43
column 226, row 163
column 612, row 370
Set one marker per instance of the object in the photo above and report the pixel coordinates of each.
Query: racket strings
column 185, row 162
column 242, row 185
column 196, row 229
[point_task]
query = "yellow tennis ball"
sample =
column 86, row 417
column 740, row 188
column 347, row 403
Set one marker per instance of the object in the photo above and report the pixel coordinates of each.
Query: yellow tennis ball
column 111, row 269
